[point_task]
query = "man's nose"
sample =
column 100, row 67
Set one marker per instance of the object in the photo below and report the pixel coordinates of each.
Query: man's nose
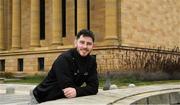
column 85, row 45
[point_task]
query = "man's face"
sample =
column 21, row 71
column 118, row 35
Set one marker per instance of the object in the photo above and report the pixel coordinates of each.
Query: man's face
column 84, row 45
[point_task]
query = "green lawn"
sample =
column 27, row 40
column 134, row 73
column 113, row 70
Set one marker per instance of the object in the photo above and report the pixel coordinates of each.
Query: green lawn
column 119, row 82
column 126, row 82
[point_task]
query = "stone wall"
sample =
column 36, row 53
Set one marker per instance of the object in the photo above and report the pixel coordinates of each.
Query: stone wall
column 138, row 59
column 146, row 30
column 108, row 59
column 167, row 98
column 150, row 23
column 30, row 59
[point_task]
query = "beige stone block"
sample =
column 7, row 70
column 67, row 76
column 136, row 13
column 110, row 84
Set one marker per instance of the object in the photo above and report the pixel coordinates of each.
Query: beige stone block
column 175, row 97
column 159, row 99
column 141, row 102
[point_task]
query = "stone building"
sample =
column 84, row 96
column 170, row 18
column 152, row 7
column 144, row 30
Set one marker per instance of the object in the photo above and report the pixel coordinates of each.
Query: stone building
column 34, row 32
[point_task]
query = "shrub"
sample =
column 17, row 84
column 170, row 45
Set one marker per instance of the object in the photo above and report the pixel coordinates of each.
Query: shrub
column 140, row 76
column 6, row 75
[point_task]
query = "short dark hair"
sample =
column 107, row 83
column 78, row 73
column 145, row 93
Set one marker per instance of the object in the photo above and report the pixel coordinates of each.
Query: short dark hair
column 85, row 32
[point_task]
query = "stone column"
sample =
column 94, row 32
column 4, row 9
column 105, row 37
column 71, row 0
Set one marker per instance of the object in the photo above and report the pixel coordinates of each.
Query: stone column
column 35, row 23
column 81, row 14
column 70, row 23
column 16, row 24
column 1, row 24
column 111, row 23
column 57, row 22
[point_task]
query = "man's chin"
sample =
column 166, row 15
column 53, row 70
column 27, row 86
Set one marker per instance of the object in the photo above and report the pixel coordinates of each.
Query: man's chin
column 83, row 55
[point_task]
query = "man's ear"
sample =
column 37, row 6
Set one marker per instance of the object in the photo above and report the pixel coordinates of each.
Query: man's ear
column 75, row 42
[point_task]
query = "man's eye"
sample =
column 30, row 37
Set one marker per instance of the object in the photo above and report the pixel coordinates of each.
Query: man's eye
column 81, row 42
column 88, row 43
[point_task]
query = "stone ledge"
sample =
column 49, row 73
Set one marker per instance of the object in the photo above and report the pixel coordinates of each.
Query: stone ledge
column 167, row 97
column 124, row 96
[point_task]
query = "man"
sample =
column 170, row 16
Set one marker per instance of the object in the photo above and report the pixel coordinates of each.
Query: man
column 73, row 73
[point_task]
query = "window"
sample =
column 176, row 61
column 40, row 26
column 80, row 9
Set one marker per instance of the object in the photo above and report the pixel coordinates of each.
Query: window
column 42, row 19
column 88, row 14
column 75, row 16
column 41, row 64
column 64, row 18
column 20, row 64
column 2, row 65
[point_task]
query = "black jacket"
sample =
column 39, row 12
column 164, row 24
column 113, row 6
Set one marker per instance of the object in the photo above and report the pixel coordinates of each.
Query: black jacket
column 69, row 70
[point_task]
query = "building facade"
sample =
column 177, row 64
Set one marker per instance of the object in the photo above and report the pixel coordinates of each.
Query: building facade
column 34, row 32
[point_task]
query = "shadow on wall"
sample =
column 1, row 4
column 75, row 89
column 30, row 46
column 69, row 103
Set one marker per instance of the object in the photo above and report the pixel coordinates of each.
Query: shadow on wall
column 142, row 64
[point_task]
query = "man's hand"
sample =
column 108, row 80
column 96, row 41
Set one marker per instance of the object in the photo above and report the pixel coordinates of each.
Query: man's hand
column 69, row 92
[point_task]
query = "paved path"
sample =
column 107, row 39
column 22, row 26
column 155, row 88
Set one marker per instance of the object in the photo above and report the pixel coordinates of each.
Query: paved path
column 21, row 96
column 122, row 96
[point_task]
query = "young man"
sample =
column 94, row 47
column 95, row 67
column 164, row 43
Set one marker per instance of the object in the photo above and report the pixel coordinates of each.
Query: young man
column 70, row 71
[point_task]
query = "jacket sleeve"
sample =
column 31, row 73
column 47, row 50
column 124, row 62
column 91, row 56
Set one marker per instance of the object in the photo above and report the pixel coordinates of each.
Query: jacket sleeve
column 92, row 83
column 62, row 72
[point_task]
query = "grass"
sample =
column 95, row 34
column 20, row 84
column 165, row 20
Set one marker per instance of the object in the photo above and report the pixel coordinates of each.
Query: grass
column 126, row 81
column 27, row 80
column 120, row 82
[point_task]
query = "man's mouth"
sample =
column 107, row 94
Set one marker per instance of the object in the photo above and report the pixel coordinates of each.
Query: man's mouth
column 84, row 50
